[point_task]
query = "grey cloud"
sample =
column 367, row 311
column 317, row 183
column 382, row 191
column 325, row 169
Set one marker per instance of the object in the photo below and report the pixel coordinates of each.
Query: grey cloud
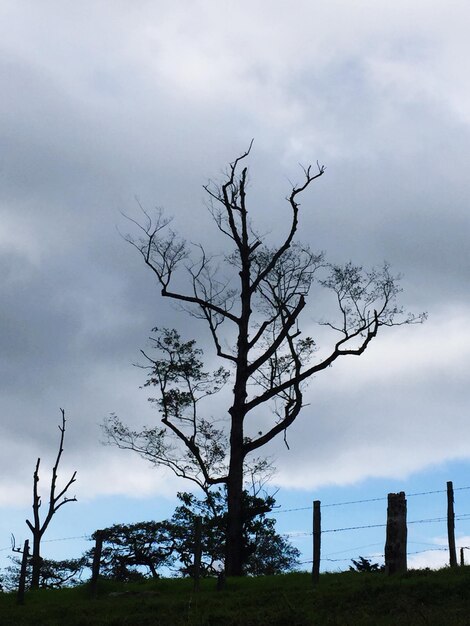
column 154, row 101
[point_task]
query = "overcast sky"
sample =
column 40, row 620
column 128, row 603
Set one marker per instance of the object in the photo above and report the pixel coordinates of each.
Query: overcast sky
column 103, row 102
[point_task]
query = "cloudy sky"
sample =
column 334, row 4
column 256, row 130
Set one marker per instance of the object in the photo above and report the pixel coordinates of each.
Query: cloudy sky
column 105, row 102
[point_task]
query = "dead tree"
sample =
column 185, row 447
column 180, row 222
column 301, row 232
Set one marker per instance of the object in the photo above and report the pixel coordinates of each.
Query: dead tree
column 56, row 500
column 259, row 293
column 23, row 567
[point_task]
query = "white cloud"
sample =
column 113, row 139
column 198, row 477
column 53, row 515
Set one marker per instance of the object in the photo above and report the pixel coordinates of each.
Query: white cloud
column 389, row 413
column 437, row 557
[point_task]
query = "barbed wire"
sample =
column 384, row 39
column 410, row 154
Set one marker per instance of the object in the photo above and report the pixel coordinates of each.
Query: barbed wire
column 408, row 495
column 382, row 556
column 374, row 556
column 52, row 540
column 302, row 508
column 337, row 530
column 368, row 545
column 354, row 502
column 66, row 538
column 428, row 550
column 430, row 520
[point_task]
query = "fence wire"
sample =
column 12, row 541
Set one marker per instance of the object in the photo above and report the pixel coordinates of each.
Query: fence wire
column 378, row 499
column 431, row 520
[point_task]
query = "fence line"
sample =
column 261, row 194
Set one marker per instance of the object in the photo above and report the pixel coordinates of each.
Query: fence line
column 459, row 516
column 330, row 556
column 397, row 543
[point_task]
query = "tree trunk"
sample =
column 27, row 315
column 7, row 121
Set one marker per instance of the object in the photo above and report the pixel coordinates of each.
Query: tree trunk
column 22, row 581
column 95, row 567
column 234, row 541
column 234, row 556
column 36, row 562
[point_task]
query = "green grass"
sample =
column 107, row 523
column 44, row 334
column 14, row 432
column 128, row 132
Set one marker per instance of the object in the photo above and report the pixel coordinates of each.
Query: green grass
column 421, row 597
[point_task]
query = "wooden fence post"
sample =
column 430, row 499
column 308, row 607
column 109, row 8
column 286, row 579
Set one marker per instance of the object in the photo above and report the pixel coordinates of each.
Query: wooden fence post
column 22, row 581
column 197, row 552
column 316, row 541
column 462, row 558
column 395, row 545
column 95, row 568
column 451, row 524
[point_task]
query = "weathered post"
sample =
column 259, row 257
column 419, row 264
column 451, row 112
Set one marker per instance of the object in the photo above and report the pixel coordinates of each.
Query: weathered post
column 462, row 558
column 395, row 546
column 197, row 552
column 95, row 568
column 451, row 524
column 316, row 541
column 22, row 581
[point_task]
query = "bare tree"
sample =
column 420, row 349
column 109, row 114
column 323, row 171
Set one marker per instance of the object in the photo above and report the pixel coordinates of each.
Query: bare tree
column 251, row 299
column 56, row 500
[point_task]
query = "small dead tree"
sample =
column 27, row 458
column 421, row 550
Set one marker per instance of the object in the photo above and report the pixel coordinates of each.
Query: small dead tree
column 56, row 500
column 251, row 298
column 23, row 567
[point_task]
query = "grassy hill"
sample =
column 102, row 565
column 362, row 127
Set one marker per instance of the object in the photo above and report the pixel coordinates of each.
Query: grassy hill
column 349, row 598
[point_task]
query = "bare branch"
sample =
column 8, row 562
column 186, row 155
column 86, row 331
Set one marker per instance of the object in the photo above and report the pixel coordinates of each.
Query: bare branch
column 36, row 527
column 309, row 178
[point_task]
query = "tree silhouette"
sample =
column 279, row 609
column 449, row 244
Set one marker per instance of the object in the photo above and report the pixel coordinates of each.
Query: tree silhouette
column 265, row 552
column 134, row 551
column 251, row 298
column 56, row 500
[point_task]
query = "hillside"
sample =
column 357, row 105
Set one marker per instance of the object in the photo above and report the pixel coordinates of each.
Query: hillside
column 420, row 597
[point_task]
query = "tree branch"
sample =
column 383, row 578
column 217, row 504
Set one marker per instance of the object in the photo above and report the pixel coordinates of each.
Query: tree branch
column 309, row 178
column 270, row 393
column 286, row 326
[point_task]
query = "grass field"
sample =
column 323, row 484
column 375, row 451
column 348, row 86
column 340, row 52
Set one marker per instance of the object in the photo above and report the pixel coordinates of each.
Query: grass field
column 420, row 597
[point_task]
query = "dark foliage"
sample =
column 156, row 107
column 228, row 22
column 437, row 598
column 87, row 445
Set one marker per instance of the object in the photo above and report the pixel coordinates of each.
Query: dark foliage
column 264, row 550
column 364, row 565
column 53, row 574
column 135, row 551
